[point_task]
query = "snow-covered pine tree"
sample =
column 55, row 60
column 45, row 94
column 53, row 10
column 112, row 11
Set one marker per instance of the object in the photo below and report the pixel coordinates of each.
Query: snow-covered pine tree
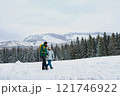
column 52, row 47
column 31, row 54
column 62, row 55
column 57, row 52
column 13, row 54
column 5, row 55
column 37, row 55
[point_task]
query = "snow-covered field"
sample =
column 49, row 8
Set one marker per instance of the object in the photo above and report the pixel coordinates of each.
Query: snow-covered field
column 100, row 68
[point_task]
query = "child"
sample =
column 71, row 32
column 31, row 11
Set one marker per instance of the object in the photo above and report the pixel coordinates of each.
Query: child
column 50, row 57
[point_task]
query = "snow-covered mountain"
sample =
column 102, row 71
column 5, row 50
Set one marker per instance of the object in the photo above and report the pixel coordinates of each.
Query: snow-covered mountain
column 55, row 38
column 98, row 68
column 36, row 40
column 52, row 38
column 74, row 35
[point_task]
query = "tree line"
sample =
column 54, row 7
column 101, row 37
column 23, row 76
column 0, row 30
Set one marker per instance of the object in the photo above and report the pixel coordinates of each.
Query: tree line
column 11, row 55
column 105, row 45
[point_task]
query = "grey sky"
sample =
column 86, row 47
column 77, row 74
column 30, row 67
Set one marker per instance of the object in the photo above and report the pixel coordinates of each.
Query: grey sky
column 21, row 18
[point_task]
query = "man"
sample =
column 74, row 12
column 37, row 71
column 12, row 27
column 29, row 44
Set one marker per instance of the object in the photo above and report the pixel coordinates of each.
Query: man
column 43, row 53
column 50, row 57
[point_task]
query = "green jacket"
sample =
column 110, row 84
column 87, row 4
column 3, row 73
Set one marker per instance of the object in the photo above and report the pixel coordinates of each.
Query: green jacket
column 43, row 51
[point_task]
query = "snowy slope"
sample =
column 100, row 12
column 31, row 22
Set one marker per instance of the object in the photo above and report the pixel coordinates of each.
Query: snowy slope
column 100, row 68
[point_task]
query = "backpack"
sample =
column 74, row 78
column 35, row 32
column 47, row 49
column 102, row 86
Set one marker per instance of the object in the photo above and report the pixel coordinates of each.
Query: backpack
column 40, row 47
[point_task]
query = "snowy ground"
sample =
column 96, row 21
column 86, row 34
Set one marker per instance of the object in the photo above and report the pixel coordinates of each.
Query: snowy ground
column 100, row 68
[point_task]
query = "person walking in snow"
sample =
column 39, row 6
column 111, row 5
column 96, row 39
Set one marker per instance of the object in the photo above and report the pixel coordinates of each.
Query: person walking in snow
column 43, row 54
column 50, row 57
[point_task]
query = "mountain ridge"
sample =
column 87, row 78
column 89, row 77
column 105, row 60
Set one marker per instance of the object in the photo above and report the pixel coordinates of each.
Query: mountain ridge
column 36, row 40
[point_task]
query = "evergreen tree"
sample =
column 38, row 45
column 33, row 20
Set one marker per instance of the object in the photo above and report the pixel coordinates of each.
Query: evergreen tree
column 52, row 47
column 77, row 48
column 31, row 54
column 37, row 55
column 101, row 47
column 83, row 47
column 62, row 55
column 57, row 52
column 112, row 45
column 25, row 58
column 105, row 42
column 18, row 53
column 13, row 54
column 117, row 44
column 1, row 53
column 94, row 50
column 67, row 51
column 73, row 53
column 5, row 55
column 90, row 46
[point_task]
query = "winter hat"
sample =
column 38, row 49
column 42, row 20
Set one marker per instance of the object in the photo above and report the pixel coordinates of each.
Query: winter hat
column 45, row 43
column 49, row 48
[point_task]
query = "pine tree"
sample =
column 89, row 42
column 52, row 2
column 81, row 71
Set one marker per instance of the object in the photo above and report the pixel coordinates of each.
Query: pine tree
column 101, row 47
column 83, row 47
column 117, row 44
column 13, row 54
column 73, row 53
column 105, row 42
column 57, row 52
column 37, row 55
column 31, row 54
column 25, row 57
column 1, row 53
column 4, row 55
column 112, row 45
column 77, row 48
column 90, row 46
column 62, row 55
column 52, row 47
column 67, row 51
column 94, row 50
column 18, row 53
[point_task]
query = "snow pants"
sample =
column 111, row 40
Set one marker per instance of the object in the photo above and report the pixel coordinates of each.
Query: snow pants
column 44, row 66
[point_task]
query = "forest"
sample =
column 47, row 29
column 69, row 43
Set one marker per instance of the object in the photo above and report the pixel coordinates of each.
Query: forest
column 105, row 45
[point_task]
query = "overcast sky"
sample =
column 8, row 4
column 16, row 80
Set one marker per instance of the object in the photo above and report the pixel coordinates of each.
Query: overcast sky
column 21, row 18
